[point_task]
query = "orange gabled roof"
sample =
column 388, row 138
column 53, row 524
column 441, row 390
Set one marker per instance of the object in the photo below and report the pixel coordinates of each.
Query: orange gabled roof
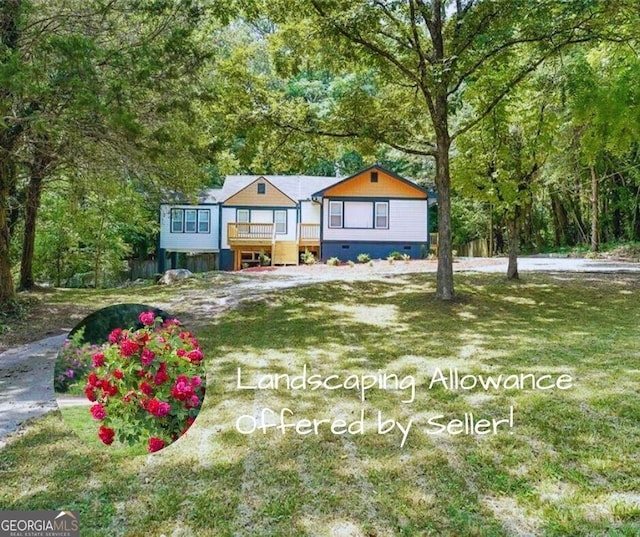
column 389, row 184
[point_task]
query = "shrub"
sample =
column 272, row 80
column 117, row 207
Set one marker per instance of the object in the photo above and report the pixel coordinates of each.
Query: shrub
column 364, row 258
column 406, row 258
column 308, row 258
column 146, row 385
column 395, row 255
column 351, row 263
column 264, row 259
column 333, row 261
column 73, row 362
column 391, row 259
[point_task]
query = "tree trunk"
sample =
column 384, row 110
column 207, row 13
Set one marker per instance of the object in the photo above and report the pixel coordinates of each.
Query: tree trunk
column 445, row 290
column 7, row 290
column 514, row 244
column 34, row 191
column 9, row 134
column 42, row 160
column 594, row 210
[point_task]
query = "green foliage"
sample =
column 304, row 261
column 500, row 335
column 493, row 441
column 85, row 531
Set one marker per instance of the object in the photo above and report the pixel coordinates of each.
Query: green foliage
column 73, row 364
column 307, row 257
column 364, row 258
column 264, row 259
column 333, row 261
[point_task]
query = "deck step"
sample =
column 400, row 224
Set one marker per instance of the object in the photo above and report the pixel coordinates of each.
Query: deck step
column 285, row 253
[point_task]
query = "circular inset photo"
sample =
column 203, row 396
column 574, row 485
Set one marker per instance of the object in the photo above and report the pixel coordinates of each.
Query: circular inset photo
column 131, row 377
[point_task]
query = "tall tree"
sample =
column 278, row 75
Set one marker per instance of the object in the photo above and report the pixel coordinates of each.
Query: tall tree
column 422, row 57
column 11, row 128
column 100, row 79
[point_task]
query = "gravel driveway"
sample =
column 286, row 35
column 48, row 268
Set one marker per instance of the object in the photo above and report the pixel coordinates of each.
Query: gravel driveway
column 26, row 372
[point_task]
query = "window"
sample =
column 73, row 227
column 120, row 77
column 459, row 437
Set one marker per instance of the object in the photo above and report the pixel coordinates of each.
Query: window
column 358, row 214
column 177, row 216
column 204, row 221
column 262, row 188
column 335, row 214
column 382, row 215
column 242, row 215
column 280, row 220
column 190, row 219
column 374, row 177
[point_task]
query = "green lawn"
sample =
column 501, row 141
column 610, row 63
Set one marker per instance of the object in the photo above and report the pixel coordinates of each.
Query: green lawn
column 569, row 465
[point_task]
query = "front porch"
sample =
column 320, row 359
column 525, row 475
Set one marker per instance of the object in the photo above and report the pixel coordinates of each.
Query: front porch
column 251, row 242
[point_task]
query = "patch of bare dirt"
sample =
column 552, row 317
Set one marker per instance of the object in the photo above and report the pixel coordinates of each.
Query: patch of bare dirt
column 40, row 319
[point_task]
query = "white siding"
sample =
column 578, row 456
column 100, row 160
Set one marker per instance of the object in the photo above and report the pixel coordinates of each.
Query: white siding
column 407, row 223
column 309, row 212
column 228, row 215
column 189, row 242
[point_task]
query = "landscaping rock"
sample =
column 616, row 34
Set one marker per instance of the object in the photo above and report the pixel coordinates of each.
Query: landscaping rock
column 175, row 275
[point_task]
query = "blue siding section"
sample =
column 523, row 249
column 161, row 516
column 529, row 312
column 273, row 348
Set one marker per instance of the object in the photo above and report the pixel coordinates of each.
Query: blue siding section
column 226, row 259
column 349, row 251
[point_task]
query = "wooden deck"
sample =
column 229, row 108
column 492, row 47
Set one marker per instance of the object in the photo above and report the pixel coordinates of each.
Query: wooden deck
column 248, row 240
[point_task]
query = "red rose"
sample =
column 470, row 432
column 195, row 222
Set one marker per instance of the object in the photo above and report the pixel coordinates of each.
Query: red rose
column 161, row 376
column 115, row 334
column 147, row 357
column 196, row 381
column 146, row 388
column 158, row 408
column 155, row 444
column 118, row 374
column 98, row 359
column 98, row 412
column 92, row 380
column 128, row 348
column 147, row 318
column 106, row 435
column 109, row 389
column 90, row 393
column 195, row 355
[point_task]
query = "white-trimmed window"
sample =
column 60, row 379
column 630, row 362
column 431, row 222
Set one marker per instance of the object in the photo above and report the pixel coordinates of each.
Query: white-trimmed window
column 382, row 215
column 280, row 220
column 190, row 220
column 204, row 221
column 335, row 214
column 242, row 215
column 177, row 220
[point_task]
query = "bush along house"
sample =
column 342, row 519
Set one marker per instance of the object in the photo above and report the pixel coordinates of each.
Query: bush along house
column 272, row 220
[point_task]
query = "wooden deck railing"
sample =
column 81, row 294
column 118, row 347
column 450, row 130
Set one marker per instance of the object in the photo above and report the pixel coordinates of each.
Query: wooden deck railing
column 309, row 232
column 249, row 231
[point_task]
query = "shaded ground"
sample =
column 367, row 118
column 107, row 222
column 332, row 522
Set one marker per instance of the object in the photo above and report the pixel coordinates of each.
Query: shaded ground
column 26, row 371
column 569, row 468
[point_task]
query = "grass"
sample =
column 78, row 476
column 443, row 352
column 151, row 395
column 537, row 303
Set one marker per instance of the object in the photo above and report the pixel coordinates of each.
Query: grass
column 570, row 467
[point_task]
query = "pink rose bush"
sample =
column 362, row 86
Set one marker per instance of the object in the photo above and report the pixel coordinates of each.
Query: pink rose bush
column 146, row 384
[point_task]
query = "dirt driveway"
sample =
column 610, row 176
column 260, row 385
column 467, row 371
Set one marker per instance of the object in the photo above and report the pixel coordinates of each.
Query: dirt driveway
column 26, row 372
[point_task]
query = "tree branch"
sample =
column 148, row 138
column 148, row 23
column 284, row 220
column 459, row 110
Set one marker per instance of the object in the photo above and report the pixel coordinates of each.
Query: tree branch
column 513, row 82
column 357, row 38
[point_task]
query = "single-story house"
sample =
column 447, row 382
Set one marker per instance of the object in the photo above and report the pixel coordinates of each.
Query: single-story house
column 374, row 211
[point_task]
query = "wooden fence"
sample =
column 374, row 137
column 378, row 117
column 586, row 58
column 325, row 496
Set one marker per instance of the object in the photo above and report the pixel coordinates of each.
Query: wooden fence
column 476, row 248
column 148, row 268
